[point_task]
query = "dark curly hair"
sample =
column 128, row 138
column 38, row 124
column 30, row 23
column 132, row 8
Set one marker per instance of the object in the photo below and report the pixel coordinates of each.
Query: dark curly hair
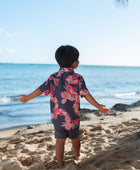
column 66, row 55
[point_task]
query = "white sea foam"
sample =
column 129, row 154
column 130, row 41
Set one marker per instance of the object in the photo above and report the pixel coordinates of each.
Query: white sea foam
column 118, row 95
column 124, row 95
column 5, row 100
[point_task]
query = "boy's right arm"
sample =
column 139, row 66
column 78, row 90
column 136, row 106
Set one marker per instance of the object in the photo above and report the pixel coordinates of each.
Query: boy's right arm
column 26, row 98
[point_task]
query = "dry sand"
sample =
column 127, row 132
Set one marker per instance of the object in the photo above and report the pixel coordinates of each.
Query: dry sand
column 109, row 143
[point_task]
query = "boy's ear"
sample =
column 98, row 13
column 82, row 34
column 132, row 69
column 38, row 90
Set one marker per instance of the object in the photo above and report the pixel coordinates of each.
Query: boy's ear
column 75, row 64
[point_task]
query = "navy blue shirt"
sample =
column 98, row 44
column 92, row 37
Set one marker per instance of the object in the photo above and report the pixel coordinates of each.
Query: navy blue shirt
column 65, row 87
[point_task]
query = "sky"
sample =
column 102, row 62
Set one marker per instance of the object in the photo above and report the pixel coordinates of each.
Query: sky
column 104, row 32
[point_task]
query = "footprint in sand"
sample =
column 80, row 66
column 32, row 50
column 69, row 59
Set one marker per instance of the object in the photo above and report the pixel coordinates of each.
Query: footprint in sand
column 50, row 147
column 128, row 123
column 36, row 140
column 69, row 153
column 3, row 147
column 98, row 148
column 27, row 160
column 100, row 140
column 92, row 134
column 95, row 128
column 30, row 149
column 16, row 140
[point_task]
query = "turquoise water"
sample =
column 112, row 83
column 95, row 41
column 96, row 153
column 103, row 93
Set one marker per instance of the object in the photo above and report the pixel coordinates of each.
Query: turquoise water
column 108, row 84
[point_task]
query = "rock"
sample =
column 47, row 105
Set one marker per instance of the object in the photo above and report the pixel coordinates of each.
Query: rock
column 30, row 127
column 83, row 117
column 98, row 113
column 120, row 107
column 112, row 113
column 17, row 132
column 136, row 104
column 87, row 110
column 125, row 107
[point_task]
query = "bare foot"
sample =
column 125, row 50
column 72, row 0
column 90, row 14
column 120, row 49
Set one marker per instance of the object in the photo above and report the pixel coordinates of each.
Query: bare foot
column 61, row 165
column 82, row 156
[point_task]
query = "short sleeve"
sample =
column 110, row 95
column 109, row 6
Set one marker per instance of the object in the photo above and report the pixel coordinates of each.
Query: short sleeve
column 45, row 88
column 83, row 91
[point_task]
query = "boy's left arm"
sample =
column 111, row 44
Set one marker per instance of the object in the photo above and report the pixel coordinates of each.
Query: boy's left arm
column 91, row 100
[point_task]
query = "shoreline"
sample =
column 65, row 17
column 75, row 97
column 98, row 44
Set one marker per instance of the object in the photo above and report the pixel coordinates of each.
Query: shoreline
column 117, row 113
column 86, row 115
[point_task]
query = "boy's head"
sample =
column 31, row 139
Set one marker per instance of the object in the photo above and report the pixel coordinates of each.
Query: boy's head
column 66, row 55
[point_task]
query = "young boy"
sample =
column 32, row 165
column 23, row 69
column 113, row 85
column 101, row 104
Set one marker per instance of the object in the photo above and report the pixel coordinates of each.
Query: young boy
column 65, row 87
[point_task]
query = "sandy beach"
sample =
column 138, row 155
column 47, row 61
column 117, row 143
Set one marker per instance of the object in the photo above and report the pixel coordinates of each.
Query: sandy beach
column 108, row 142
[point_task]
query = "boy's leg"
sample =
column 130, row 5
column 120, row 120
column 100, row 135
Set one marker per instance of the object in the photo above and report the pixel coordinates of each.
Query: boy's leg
column 76, row 146
column 59, row 149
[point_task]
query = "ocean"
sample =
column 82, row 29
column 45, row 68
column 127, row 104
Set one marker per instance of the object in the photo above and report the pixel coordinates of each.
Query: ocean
column 108, row 84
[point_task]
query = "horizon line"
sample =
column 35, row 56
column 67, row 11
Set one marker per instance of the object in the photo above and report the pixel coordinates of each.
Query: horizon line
column 79, row 65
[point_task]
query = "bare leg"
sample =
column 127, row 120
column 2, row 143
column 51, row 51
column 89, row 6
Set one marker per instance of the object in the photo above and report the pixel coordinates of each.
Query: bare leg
column 59, row 149
column 76, row 146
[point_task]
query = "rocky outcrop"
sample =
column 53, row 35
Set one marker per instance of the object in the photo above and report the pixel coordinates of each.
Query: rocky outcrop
column 125, row 107
column 120, row 107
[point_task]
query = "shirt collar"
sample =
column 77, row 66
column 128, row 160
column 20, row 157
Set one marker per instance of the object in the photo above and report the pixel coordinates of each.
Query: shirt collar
column 66, row 69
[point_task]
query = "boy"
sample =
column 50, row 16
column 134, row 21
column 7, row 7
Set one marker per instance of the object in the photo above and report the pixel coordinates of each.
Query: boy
column 65, row 87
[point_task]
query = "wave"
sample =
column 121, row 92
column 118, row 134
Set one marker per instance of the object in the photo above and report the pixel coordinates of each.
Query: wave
column 124, row 95
column 10, row 99
column 119, row 95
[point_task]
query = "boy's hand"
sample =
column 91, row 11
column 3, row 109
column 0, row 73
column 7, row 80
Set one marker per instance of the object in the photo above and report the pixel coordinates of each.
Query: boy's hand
column 23, row 99
column 26, row 98
column 103, row 109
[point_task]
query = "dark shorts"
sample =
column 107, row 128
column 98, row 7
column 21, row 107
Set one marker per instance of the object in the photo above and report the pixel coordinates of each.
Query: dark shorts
column 62, row 133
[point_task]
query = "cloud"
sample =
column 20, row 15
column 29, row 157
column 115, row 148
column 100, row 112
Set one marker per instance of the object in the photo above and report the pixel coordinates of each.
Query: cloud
column 11, row 35
column 10, row 50
column 7, row 50
column 1, row 30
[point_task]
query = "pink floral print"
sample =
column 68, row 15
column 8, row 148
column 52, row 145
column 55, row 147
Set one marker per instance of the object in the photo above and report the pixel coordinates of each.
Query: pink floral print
column 66, row 96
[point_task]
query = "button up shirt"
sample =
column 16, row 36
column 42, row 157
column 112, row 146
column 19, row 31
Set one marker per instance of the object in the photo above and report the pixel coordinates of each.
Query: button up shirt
column 65, row 87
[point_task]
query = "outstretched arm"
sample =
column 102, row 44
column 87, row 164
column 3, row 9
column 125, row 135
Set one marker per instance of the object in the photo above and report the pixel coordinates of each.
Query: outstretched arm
column 26, row 98
column 91, row 100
